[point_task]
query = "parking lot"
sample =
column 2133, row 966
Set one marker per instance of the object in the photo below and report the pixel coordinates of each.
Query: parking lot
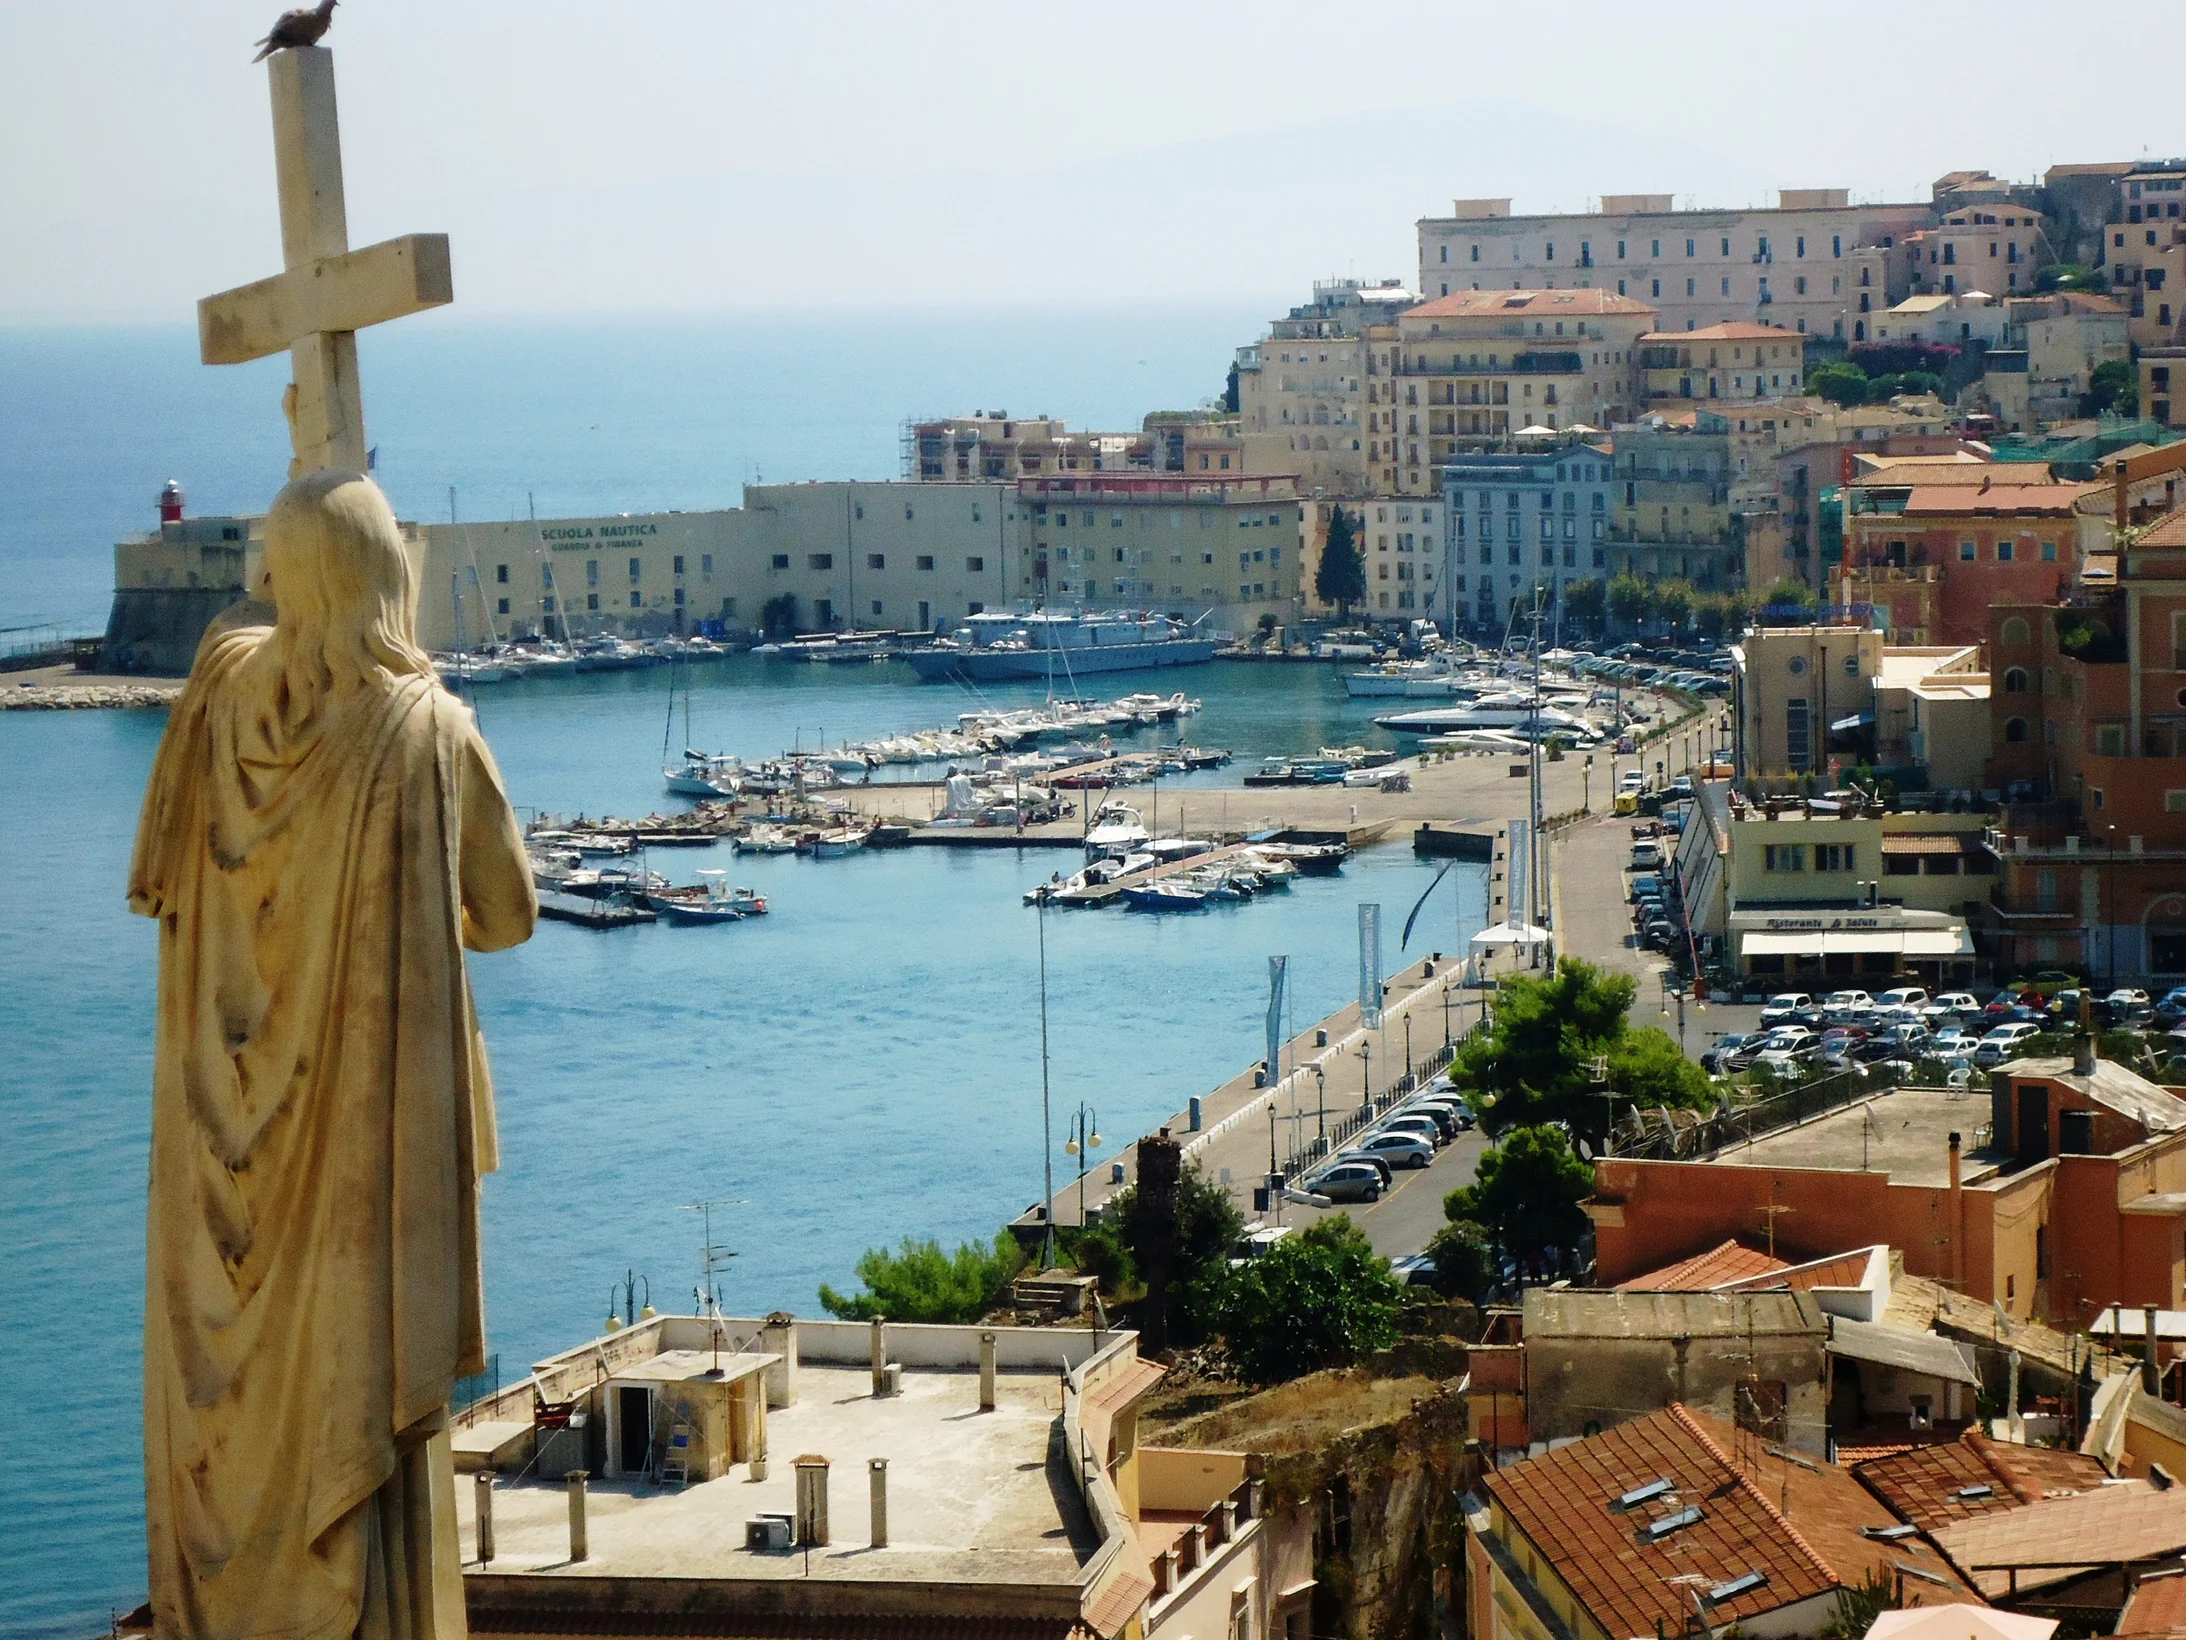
column 1408, row 1215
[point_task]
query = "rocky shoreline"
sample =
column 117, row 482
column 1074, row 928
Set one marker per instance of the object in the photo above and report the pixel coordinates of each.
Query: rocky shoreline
column 45, row 697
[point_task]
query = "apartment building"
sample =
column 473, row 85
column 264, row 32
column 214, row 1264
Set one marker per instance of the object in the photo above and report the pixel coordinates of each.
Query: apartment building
column 2088, row 740
column 1670, row 504
column 991, row 446
column 1995, row 248
column 1798, row 266
column 1936, row 545
column 1518, row 519
column 1491, row 365
column 1727, row 361
column 1301, row 390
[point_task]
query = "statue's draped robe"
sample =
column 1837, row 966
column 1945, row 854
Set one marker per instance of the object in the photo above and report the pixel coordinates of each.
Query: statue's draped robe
column 321, row 1117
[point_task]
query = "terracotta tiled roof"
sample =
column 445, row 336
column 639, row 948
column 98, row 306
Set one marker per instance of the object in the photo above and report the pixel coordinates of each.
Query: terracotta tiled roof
column 1532, row 304
column 1119, row 1602
column 1796, row 1523
column 1735, row 332
column 2167, row 531
column 2158, row 1605
column 1902, row 475
column 1927, row 1486
column 2057, row 1539
column 1998, row 500
column 1844, row 1270
column 1718, row 1265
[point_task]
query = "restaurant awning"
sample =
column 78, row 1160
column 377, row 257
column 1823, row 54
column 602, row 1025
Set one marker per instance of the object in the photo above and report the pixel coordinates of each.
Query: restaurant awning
column 1910, row 942
column 1845, row 725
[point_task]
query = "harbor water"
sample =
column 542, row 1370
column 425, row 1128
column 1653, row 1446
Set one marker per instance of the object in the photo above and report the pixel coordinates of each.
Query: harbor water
column 861, row 1065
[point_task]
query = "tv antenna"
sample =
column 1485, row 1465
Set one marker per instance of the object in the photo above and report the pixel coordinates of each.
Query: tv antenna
column 712, row 1260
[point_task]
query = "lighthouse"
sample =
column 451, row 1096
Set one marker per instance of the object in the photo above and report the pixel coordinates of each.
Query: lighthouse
column 170, row 502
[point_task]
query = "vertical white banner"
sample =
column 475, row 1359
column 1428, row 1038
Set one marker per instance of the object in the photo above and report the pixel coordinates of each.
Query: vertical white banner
column 1370, row 966
column 1278, row 974
column 1517, row 905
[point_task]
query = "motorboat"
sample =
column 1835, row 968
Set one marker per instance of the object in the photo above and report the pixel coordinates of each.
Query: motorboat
column 1049, row 645
column 591, row 913
column 1116, row 830
column 705, row 774
column 1165, row 895
column 1512, row 711
column 1313, row 859
column 710, row 901
column 765, row 839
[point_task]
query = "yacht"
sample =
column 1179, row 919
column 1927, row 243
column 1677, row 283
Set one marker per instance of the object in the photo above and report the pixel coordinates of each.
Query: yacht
column 1049, row 646
column 1512, row 711
column 1116, row 830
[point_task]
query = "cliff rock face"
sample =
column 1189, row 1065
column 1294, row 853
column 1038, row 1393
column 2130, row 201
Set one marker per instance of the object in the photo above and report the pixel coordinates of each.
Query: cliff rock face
column 1377, row 1464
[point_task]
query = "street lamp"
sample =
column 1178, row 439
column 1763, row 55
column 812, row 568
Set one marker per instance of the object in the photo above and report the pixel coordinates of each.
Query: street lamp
column 1366, row 1075
column 1047, row 1118
column 1449, row 1042
column 1407, row 1045
column 1085, row 1138
column 1586, row 785
column 1667, row 994
column 1320, row 1106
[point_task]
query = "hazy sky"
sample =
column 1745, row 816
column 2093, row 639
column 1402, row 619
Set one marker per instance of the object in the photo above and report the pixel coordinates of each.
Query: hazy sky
column 672, row 155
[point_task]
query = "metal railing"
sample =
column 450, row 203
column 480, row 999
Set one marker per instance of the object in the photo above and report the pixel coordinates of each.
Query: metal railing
column 1307, row 1153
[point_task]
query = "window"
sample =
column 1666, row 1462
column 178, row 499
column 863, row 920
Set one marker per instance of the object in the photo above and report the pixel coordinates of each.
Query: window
column 2110, row 740
column 2015, row 680
column 975, row 566
column 705, row 563
column 637, row 600
column 907, row 512
column 2015, row 731
column 1692, row 287
column 2003, row 552
column 2174, row 801
column 1966, row 552
column 2014, row 631
column 925, row 560
column 592, row 571
column 501, row 573
column 637, row 565
column 781, row 560
column 503, row 607
column 2049, row 552
column 1834, row 857
column 820, row 560
column 1798, row 737
column 679, row 563
column 591, row 600
column 1783, row 857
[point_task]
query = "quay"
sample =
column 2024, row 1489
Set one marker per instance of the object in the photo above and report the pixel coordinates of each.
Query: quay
column 1336, row 1076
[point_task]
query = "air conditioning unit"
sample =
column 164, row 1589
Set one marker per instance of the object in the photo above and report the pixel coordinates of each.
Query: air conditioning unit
column 765, row 1532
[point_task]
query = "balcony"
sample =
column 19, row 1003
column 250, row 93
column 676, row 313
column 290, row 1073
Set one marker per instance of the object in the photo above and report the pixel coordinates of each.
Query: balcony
column 1551, row 363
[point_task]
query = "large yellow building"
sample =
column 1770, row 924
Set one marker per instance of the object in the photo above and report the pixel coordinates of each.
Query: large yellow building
column 1728, row 361
column 1490, row 364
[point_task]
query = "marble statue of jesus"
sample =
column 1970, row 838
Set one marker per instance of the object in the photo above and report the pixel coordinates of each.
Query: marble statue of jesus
column 324, row 833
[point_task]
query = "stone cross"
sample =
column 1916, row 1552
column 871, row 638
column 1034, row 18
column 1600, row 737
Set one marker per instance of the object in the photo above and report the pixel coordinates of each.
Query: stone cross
column 327, row 292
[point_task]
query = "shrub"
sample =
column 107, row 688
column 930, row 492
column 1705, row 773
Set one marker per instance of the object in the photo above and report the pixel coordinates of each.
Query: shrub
column 922, row 1283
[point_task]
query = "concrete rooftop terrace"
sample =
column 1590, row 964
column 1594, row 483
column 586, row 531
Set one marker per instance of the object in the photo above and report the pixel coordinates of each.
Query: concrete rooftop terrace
column 1903, row 1132
column 973, row 1497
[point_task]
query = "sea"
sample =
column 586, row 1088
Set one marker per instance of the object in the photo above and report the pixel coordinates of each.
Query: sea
column 859, row 1066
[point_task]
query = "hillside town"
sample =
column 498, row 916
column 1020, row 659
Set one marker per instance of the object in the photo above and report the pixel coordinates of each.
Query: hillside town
column 1783, row 1235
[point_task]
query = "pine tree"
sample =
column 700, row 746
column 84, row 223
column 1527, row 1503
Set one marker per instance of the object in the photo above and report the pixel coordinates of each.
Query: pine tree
column 1340, row 578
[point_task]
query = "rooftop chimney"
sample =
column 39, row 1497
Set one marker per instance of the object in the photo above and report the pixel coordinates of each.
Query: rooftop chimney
column 811, row 1501
column 2083, row 1042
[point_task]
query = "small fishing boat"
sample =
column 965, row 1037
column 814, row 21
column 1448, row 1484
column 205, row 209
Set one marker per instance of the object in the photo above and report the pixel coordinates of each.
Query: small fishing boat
column 710, row 901
column 764, row 839
column 1314, row 859
column 1164, row 895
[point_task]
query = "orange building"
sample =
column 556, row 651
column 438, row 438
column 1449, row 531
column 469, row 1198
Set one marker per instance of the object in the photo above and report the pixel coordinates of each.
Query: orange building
column 1937, row 554
column 2073, row 1200
column 2087, row 712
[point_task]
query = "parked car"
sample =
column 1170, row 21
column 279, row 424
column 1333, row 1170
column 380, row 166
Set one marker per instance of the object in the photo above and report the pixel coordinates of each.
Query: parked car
column 1951, row 1008
column 1373, row 1159
column 1847, row 999
column 1460, row 1112
column 2001, row 1006
column 1904, row 996
column 1444, row 1118
column 1631, row 782
column 1413, row 1269
column 1402, row 1149
column 1646, row 856
column 1853, row 1013
column 2003, row 1043
column 1644, row 884
column 1954, row 1044
column 1886, row 1015
column 1785, row 1067
column 1791, row 1039
column 1912, row 1039
column 1787, row 1008
column 1422, row 1127
column 1715, row 1058
column 1843, row 1038
column 1348, row 1182
column 2172, row 1007
column 2129, row 1006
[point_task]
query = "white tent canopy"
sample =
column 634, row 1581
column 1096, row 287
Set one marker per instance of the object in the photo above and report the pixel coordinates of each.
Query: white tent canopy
column 1959, row 1622
column 1508, row 933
